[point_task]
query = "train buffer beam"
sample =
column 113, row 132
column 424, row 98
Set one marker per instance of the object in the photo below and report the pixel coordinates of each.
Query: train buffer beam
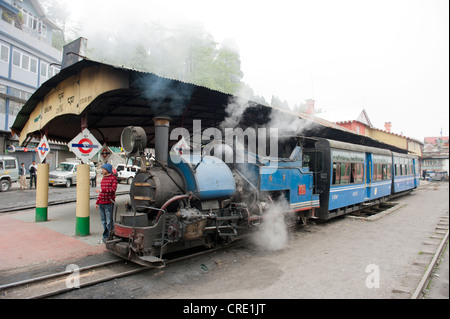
column 151, row 261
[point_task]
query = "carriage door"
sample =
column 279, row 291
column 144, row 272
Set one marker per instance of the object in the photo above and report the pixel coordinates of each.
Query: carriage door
column 415, row 168
column 368, row 174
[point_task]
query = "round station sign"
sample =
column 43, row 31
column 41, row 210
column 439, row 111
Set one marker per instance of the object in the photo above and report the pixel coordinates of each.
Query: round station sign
column 43, row 148
column 105, row 152
column 84, row 146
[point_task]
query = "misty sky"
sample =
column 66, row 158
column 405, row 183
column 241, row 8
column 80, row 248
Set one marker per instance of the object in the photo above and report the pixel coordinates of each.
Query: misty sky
column 390, row 57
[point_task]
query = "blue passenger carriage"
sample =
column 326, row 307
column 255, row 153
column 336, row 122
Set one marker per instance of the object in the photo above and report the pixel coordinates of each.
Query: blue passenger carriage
column 347, row 176
column 378, row 174
column 406, row 172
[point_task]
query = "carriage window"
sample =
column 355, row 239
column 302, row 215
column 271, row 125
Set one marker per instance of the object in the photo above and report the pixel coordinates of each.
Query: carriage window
column 336, row 173
column 341, row 173
column 357, row 173
column 345, row 173
column 386, row 171
column 376, row 172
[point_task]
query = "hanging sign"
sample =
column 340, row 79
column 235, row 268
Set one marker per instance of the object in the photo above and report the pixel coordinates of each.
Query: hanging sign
column 105, row 153
column 43, row 149
column 84, row 146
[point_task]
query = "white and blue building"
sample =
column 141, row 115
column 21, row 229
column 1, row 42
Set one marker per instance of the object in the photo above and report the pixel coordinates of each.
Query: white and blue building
column 27, row 60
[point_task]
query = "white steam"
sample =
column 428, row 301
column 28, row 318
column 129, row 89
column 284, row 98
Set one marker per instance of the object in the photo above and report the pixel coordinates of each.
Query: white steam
column 272, row 234
column 289, row 123
column 235, row 109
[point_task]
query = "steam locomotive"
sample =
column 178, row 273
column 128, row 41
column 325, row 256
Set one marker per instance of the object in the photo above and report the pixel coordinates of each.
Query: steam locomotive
column 191, row 200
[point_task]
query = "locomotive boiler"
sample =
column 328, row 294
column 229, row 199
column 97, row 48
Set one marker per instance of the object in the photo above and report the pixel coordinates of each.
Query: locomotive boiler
column 183, row 201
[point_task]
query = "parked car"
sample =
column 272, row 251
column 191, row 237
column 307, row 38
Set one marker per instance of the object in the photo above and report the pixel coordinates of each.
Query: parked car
column 66, row 173
column 9, row 172
column 439, row 176
column 126, row 172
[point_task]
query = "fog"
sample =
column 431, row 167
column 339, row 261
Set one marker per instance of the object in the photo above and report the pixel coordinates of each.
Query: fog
column 389, row 57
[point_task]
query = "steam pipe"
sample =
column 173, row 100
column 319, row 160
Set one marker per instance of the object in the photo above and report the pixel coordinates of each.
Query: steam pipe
column 162, row 139
column 168, row 202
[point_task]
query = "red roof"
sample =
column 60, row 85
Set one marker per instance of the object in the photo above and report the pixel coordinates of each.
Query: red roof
column 432, row 139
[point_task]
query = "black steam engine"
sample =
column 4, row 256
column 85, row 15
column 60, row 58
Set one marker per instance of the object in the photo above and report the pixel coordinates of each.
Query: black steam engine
column 184, row 201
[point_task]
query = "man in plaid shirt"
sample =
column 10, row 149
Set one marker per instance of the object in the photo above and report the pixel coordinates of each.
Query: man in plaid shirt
column 106, row 199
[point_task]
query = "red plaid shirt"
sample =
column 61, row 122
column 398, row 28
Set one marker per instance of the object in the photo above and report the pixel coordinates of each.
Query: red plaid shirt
column 108, row 190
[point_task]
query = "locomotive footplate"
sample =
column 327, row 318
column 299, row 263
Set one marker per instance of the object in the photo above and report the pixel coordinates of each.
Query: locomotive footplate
column 150, row 261
column 122, row 249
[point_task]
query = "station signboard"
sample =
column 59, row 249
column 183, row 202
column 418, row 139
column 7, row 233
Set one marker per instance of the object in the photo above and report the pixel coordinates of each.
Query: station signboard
column 43, row 149
column 84, row 146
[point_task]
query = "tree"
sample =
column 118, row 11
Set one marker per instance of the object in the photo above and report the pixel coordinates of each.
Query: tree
column 228, row 70
column 141, row 59
column 57, row 12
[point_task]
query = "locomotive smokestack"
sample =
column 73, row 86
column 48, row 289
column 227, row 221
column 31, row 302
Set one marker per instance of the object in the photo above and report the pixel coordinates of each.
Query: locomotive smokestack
column 162, row 138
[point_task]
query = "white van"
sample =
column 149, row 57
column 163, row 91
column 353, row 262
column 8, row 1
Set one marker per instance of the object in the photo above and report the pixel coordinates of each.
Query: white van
column 126, row 172
column 66, row 173
column 9, row 172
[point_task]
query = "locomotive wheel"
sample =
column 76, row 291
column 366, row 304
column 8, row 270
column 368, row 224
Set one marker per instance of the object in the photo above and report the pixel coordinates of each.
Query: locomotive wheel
column 291, row 222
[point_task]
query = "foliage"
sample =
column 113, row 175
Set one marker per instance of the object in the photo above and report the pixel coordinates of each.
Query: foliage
column 186, row 51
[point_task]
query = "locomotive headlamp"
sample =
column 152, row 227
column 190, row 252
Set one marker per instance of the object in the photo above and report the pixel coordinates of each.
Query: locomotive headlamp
column 133, row 139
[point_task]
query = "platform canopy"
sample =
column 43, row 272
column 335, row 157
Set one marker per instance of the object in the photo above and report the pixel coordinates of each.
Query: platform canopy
column 105, row 99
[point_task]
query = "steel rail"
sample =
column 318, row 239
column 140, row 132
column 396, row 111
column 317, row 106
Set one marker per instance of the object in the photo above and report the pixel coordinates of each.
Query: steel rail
column 420, row 288
column 58, row 274
column 107, row 278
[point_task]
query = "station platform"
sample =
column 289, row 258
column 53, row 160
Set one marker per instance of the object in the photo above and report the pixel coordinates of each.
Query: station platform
column 25, row 242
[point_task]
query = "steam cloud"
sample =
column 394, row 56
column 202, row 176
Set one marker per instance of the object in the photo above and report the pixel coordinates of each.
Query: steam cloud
column 235, row 109
column 171, row 96
column 272, row 234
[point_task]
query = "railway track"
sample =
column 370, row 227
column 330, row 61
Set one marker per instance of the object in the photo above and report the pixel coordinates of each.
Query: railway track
column 441, row 233
column 78, row 278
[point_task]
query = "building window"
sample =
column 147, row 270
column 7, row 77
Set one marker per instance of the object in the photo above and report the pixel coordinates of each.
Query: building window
column 16, row 58
column 42, row 29
column 19, row 93
column 14, row 107
column 25, row 62
column 4, row 53
column 2, row 106
column 44, row 67
column 33, row 65
column 30, row 20
column 48, row 71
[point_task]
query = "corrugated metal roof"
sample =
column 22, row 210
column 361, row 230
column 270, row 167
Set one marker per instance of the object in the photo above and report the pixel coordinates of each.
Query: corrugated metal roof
column 150, row 95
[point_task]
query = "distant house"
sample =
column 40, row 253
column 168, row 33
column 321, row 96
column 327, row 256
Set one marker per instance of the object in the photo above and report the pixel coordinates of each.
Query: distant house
column 437, row 141
column 355, row 120
column 436, row 154
column 358, row 121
